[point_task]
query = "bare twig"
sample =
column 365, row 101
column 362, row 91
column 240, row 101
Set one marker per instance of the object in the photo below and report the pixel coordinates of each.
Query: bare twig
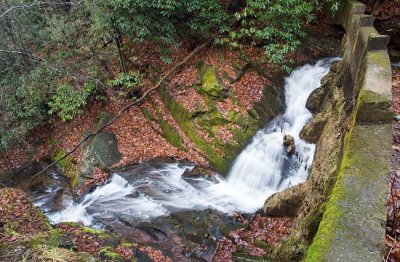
column 390, row 251
column 123, row 110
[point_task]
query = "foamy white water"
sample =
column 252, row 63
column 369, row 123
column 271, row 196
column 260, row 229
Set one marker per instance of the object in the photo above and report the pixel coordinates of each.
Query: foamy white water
column 260, row 170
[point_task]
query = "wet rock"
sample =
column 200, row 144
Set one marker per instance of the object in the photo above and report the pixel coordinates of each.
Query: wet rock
column 198, row 172
column 287, row 202
column 65, row 242
column 315, row 100
column 313, row 129
column 271, row 104
column 288, row 142
column 142, row 257
column 51, row 191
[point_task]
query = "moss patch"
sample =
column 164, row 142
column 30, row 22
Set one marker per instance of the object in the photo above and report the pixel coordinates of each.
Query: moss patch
column 66, row 165
column 211, row 85
column 352, row 223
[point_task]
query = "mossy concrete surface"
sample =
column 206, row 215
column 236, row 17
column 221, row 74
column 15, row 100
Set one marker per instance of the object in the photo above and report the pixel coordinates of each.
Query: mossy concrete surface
column 353, row 225
column 375, row 98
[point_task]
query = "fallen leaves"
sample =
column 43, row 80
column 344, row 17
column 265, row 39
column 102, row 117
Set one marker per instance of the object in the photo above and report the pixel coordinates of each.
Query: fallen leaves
column 258, row 235
column 392, row 243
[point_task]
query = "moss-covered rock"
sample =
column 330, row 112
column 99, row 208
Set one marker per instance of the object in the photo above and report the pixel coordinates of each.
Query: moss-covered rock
column 65, row 166
column 211, row 84
column 220, row 155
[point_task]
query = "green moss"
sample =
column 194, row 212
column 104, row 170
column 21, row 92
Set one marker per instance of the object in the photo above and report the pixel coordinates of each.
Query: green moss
column 261, row 244
column 111, row 254
column 183, row 118
column 171, row 135
column 211, row 84
column 126, row 245
column 169, row 132
column 147, row 114
column 65, row 165
column 101, row 234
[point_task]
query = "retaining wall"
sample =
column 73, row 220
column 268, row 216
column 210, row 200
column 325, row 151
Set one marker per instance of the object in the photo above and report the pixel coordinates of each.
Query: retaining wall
column 353, row 224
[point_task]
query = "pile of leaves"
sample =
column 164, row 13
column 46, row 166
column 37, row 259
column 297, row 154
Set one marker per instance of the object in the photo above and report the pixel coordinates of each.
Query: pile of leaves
column 18, row 216
column 259, row 236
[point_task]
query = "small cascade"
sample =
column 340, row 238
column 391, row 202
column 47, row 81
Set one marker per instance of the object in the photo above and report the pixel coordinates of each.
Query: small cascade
column 262, row 169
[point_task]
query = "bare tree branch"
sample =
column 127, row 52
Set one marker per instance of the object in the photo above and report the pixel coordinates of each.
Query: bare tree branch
column 123, row 110
column 21, row 53
column 34, row 3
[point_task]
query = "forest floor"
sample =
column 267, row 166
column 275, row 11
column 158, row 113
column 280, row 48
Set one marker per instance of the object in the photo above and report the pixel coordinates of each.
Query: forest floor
column 392, row 241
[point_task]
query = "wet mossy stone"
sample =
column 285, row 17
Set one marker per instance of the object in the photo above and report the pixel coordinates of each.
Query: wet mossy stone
column 211, row 84
column 315, row 100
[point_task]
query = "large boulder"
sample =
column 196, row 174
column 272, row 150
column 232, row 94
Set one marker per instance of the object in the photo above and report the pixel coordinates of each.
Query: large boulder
column 100, row 150
column 287, row 202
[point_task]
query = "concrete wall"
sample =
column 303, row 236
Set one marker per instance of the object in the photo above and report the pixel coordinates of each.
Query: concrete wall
column 353, row 224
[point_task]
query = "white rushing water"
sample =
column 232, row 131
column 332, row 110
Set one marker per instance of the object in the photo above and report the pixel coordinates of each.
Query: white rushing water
column 260, row 170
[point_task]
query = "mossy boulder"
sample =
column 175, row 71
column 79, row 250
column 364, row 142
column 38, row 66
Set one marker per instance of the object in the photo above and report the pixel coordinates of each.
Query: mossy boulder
column 211, row 84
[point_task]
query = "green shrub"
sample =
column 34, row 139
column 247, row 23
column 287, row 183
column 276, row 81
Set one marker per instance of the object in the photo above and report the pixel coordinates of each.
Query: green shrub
column 128, row 83
column 68, row 102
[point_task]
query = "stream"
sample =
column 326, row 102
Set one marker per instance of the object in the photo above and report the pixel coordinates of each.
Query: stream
column 152, row 194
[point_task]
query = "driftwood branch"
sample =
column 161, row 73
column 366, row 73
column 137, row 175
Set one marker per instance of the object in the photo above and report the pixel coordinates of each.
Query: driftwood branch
column 123, row 110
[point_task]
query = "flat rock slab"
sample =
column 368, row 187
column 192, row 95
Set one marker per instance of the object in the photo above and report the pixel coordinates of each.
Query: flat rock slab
column 353, row 225
column 104, row 149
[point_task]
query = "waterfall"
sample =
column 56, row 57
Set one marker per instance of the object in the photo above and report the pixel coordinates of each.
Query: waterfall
column 262, row 169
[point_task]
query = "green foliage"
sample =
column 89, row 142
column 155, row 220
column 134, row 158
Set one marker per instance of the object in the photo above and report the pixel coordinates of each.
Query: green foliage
column 23, row 103
column 68, row 102
column 127, row 80
column 277, row 25
column 158, row 21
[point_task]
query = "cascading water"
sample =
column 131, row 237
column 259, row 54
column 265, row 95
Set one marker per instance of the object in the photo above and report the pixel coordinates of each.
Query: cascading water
column 262, row 169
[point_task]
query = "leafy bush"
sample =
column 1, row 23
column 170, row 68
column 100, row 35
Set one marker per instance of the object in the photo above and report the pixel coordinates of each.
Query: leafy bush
column 23, row 104
column 67, row 102
column 128, row 83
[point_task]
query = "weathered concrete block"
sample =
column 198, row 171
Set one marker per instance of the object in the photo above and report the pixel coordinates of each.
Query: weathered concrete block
column 375, row 98
column 353, row 225
column 348, row 9
column 367, row 20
